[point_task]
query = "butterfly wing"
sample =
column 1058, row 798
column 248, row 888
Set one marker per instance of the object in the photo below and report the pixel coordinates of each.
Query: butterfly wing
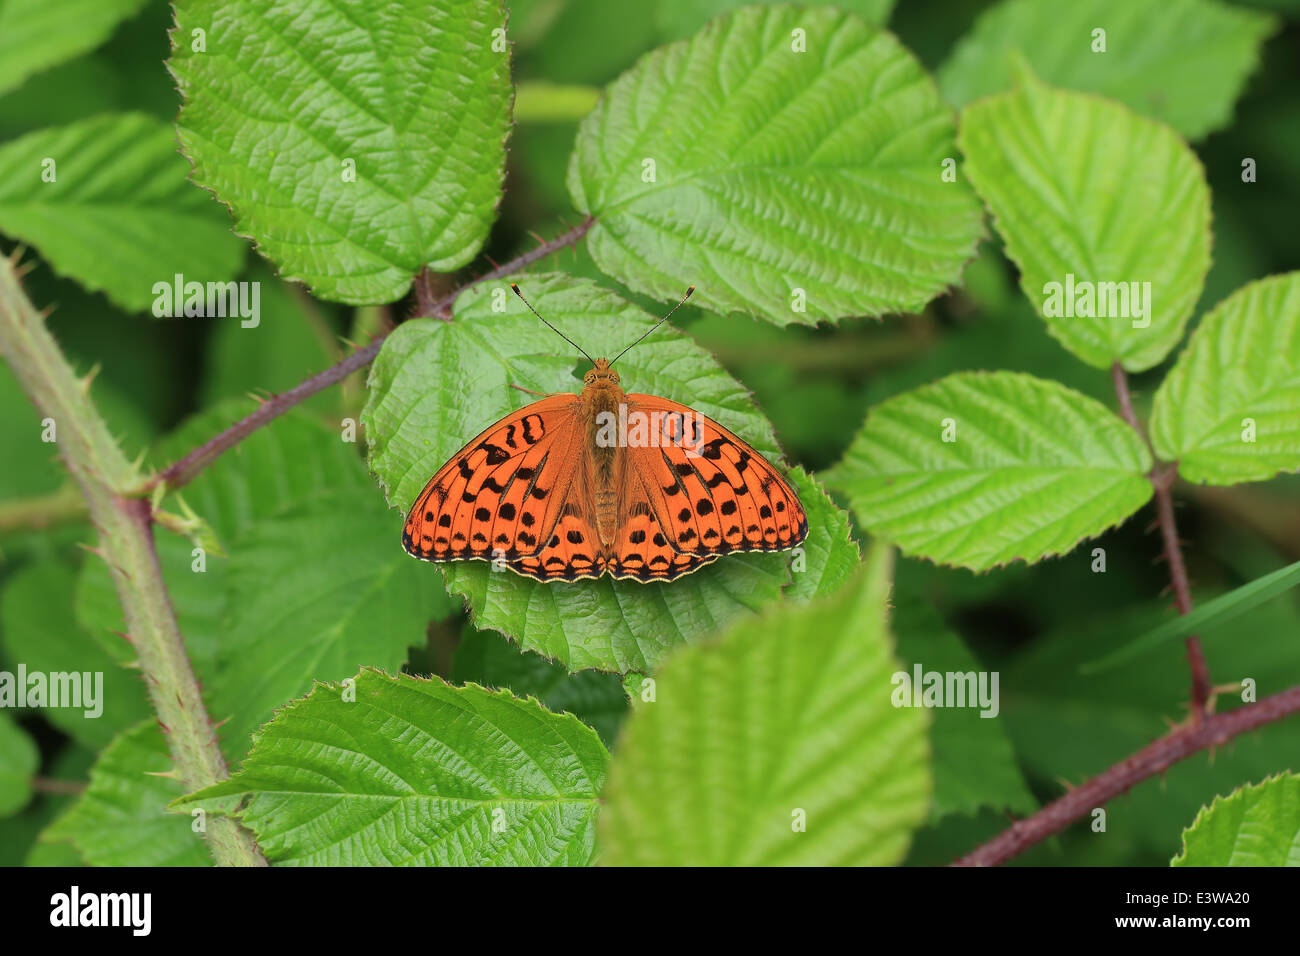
column 642, row 550
column 502, row 494
column 572, row 550
column 706, row 495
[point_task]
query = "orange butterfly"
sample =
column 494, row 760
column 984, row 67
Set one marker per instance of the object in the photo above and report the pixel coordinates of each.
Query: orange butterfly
column 603, row 482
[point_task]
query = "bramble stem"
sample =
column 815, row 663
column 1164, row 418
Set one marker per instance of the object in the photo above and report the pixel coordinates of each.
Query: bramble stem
column 126, row 540
column 183, row 471
column 1162, row 479
column 1152, row 759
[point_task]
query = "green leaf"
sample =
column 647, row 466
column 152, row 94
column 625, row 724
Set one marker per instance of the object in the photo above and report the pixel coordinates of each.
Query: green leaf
column 121, row 819
column 19, row 760
column 27, row 471
column 1183, row 62
column 1229, row 410
column 1029, row 470
column 678, row 19
column 974, row 764
column 37, row 34
column 1253, row 826
column 355, row 144
column 437, row 384
column 488, row 659
column 41, row 632
column 828, row 556
column 199, row 599
column 415, row 772
column 315, row 593
column 784, row 719
column 779, row 176
column 1221, row 610
column 1081, row 187
column 120, row 214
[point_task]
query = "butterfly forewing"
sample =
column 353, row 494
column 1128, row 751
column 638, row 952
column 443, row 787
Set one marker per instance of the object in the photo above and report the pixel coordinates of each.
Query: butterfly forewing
column 500, row 495
column 713, row 493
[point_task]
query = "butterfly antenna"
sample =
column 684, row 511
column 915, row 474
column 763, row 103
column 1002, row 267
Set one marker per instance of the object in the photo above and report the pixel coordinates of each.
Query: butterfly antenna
column 548, row 324
column 657, row 324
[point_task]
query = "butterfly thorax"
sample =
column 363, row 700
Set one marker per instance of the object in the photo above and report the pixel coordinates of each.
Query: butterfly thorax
column 602, row 396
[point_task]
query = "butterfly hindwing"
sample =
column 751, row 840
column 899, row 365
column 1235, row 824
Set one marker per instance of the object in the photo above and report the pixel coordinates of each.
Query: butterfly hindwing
column 572, row 550
column 642, row 550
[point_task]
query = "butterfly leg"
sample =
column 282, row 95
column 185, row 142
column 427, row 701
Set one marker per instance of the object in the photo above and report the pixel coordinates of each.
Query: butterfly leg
column 528, row 390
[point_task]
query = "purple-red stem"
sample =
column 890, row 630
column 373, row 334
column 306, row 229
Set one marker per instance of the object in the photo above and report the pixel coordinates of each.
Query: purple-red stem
column 1162, row 480
column 1152, row 759
column 184, row 470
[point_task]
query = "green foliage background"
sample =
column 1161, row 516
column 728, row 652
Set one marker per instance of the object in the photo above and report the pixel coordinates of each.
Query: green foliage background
column 295, row 511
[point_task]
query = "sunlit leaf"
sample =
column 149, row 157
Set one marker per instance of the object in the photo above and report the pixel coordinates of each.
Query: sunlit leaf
column 409, row 772
column 355, row 144
column 981, row 469
column 1229, row 411
column 796, row 184
column 1112, row 240
column 1252, row 826
column 776, row 745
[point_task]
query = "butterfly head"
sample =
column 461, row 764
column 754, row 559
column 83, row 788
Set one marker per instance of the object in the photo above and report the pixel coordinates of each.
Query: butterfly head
column 601, row 376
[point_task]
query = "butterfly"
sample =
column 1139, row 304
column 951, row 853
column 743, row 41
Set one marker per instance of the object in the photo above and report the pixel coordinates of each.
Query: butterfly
column 603, row 482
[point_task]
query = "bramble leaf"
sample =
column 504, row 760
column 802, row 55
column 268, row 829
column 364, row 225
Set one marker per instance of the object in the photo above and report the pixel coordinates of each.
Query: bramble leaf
column 980, row 469
column 355, row 144
column 1252, row 826
column 121, row 819
column 974, row 765
column 37, row 34
column 410, row 772
column 709, row 165
column 678, row 19
column 19, row 761
column 314, row 594
column 828, row 556
column 1229, row 410
column 119, row 214
column 1112, row 240
column 39, row 630
column 492, row 661
column 777, row 744
column 1183, row 62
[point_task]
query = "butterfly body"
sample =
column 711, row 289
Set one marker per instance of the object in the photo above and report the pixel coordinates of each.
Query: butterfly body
column 603, row 482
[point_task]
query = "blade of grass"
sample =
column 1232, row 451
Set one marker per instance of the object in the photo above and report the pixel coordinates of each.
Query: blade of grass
column 1222, row 609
